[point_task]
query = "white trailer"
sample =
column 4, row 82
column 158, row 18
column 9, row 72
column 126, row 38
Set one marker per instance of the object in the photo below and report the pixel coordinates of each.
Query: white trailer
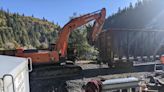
column 14, row 74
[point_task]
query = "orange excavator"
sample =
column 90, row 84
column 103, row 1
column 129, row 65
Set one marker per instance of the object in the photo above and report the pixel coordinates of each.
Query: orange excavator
column 50, row 60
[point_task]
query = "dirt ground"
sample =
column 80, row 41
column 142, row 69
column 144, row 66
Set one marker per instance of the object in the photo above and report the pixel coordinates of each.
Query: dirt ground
column 90, row 71
column 76, row 85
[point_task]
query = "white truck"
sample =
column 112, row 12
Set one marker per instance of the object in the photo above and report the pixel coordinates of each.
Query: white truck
column 14, row 74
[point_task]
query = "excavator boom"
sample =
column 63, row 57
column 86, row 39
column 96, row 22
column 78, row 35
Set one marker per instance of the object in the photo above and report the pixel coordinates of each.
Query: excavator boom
column 98, row 16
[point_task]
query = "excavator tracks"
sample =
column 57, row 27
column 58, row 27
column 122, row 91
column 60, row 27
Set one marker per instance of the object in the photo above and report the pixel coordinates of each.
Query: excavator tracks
column 54, row 71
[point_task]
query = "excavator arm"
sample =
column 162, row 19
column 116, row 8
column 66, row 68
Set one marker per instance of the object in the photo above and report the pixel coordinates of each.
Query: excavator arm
column 62, row 42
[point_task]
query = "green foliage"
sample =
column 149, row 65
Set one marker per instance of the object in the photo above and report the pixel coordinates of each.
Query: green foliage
column 79, row 38
column 29, row 32
column 145, row 14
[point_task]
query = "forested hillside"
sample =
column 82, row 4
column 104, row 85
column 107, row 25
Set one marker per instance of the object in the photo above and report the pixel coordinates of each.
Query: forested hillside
column 148, row 14
column 29, row 32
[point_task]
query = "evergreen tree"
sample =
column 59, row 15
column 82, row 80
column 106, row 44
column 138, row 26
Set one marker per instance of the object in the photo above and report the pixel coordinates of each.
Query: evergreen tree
column 17, row 30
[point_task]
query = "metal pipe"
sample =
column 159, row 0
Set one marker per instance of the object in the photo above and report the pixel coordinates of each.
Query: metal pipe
column 30, row 64
column 1, row 82
column 121, row 83
column 12, row 78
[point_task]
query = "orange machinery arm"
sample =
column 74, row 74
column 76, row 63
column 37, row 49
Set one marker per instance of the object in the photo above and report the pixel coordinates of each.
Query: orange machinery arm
column 98, row 16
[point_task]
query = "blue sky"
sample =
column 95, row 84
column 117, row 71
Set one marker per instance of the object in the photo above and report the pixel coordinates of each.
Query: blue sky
column 59, row 11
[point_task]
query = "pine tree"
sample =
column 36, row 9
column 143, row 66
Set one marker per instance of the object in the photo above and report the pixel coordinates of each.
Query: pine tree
column 17, row 30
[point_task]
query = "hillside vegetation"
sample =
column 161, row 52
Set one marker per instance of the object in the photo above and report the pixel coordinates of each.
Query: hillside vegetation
column 148, row 14
column 29, row 32
column 80, row 38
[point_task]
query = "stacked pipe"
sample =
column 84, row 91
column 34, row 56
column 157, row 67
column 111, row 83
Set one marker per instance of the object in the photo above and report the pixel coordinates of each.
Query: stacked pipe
column 113, row 84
